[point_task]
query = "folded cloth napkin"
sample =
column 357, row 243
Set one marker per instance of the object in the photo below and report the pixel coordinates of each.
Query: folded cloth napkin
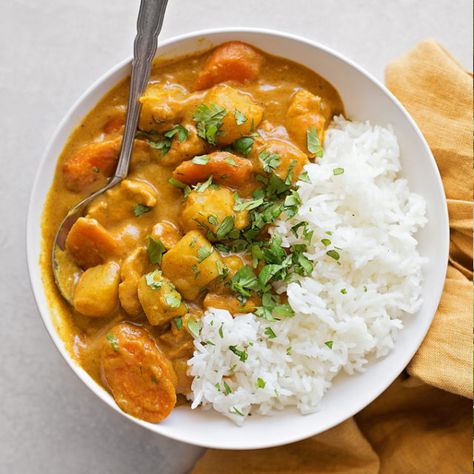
column 423, row 422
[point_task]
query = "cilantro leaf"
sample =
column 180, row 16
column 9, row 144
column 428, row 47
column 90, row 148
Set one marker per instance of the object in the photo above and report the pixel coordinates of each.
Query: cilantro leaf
column 337, row 171
column 151, row 281
column 204, row 252
column 240, row 118
column 241, row 354
column 209, row 120
column 201, row 160
column 312, row 142
column 113, row 341
column 140, row 209
column 179, row 130
column 244, row 145
column 225, row 227
column 270, row 161
column 194, row 327
column 155, row 250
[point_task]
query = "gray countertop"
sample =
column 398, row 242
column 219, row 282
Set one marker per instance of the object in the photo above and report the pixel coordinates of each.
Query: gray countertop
column 51, row 50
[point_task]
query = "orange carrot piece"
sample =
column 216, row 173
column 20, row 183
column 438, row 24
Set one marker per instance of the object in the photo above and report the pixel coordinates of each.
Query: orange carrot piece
column 91, row 163
column 90, row 243
column 230, row 61
column 225, row 168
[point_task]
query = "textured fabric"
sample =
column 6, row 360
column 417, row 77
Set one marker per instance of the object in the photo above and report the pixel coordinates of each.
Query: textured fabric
column 423, row 422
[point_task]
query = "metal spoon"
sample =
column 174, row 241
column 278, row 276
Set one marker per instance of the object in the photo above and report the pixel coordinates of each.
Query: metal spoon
column 149, row 23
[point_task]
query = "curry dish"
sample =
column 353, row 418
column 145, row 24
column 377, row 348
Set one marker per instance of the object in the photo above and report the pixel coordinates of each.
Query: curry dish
column 223, row 137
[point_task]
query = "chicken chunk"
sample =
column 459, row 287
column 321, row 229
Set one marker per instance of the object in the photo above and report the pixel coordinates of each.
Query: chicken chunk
column 140, row 377
column 307, row 111
column 192, row 264
column 230, row 61
column 120, row 202
column 225, row 168
column 159, row 298
column 132, row 269
column 213, row 210
column 240, row 115
column 96, row 293
column 161, row 104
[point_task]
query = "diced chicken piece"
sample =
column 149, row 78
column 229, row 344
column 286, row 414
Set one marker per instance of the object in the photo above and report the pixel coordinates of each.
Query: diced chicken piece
column 225, row 168
column 207, row 210
column 230, row 61
column 96, row 293
column 159, row 298
column 91, row 165
column 140, row 377
column 132, row 269
column 192, row 264
column 161, row 104
column 167, row 233
column 90, row 244
column 181, row 367
column 120, row 202
column 115, row 119
column 242, row 114
column 307, row 111
column 279, row 157
column 177, row 342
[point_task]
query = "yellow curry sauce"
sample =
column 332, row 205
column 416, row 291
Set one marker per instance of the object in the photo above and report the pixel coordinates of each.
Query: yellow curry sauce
column 222, row 139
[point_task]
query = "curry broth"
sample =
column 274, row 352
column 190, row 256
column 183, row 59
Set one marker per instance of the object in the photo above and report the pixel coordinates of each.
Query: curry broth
column 277, row 81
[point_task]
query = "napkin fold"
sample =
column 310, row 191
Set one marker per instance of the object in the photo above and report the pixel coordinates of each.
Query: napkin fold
column 423, row 422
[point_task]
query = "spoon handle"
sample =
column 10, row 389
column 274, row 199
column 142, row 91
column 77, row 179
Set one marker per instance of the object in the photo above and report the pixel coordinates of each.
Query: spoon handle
column 150, row 20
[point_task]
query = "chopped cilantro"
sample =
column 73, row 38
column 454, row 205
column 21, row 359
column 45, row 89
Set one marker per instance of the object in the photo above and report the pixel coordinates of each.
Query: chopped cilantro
column 201, row 160
column 329, row 344
column 221, row 331
column 312, row 142
column 333, row 254
column 269, row 332
column 179, row 131
column 240, row 118
column 155, row 250
column 343, row 291
column 177, row 183
column 113, row 341
column 241, row 354
column 244, row 280
column 325, row 242
column 244, row 145
column 337, row 171
column 201, row 187
column 225, row 227
column 194, row 327
column 209, row 121
column 212, row 219
column 236, row 411
column 140, row 209
column 151, row 281
column 260, row 383
column 304, row 177
column 227, row 389
column 270, row 161
column 173, row 299
column 179, row 322
column 203, row 253
column 230, row 161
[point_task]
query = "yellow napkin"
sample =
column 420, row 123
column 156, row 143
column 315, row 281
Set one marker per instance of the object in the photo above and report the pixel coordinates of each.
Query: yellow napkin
column 420, row 424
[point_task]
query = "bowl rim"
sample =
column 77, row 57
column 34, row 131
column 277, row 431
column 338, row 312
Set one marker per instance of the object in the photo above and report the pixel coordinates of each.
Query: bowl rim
column 37, row 286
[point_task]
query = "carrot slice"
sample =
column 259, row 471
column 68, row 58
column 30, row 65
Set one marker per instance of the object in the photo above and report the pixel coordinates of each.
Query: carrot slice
column 230, row 61
column 90, row 244
column 225, row 168
column 90, row 163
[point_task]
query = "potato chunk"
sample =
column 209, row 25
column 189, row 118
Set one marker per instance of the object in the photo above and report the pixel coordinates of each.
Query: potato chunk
column 140, row 377
column 208, row 209
column 91, row 165
column 159, row 298
column 306, row 111
column 96, row 292
column 192, row 264
column 230, row 61
column 161, row 104
column 225, row 168
column 242, row 114
column 280, row 157
column 90, row 244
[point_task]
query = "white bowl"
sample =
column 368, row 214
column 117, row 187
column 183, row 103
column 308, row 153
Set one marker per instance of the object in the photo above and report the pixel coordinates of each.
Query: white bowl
column 364, row 99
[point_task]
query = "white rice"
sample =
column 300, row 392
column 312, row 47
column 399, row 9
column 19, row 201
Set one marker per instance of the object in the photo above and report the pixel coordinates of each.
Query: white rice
column 370, row 216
